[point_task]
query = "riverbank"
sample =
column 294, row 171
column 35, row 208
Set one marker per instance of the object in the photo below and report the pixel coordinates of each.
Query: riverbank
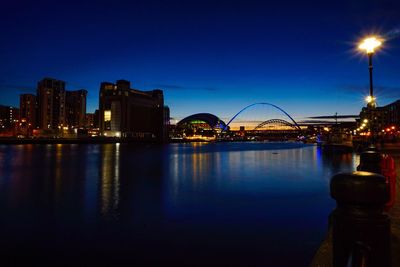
column 323, row 256
column 83, row 140
column 111, row 140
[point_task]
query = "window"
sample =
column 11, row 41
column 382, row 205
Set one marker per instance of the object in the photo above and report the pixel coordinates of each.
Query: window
column 107, row 115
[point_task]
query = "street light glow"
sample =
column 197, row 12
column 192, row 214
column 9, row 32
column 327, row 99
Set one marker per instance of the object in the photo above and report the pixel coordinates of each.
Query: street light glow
column 369, row 44
column 369, row 99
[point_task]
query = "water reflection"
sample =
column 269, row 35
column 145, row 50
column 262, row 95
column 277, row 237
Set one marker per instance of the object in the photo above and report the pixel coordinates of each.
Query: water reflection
column 158, row 200
column 110, row 180
column 339, row 162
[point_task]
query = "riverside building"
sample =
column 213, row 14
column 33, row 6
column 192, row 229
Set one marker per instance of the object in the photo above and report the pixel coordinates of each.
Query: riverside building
column 28, row 110
column 8, row 117
column 131, row 113
column 51, row 103
column 76, row 108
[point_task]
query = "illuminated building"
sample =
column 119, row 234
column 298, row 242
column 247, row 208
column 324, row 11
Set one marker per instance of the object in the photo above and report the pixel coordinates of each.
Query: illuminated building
column 8, row 117
column 392, row 114
column 384, row 117
column 51, row 103
column 89, row 123
column 75, row 103
column 28, row 110
column 200, row 126
column 131, row 113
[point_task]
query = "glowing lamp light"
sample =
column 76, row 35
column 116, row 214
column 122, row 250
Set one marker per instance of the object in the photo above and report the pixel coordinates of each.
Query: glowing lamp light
column 365, row 121
column 370, row 44
column 370, row 99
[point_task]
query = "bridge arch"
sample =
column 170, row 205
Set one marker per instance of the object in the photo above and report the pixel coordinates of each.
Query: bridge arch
column 275, row 121
column 263, row 103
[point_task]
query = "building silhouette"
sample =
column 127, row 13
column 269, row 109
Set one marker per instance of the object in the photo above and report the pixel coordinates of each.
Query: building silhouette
column 392, row 114
column 51, row 103
column 383, row 117
column 28, row 110
column 8, row 117
column 131, row 113
column 75, row 106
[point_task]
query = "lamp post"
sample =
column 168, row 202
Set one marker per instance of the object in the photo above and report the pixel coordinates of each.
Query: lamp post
column 369, row 45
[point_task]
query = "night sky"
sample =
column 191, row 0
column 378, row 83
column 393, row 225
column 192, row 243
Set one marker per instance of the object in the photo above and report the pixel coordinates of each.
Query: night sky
column 207, row 56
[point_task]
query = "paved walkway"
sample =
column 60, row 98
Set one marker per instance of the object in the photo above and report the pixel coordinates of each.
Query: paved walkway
column 323, row 256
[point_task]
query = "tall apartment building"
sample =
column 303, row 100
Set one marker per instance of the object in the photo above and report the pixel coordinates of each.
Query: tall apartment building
column 51, row 103
column 75, row 107
column 8, row 117
column 130, row 112
column 28, row 110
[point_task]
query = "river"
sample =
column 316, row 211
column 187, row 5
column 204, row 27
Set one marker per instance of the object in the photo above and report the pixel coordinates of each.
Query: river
column 243, row 204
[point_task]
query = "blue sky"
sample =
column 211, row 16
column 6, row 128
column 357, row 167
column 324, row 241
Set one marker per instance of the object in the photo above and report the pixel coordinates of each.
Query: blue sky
column 207, row 56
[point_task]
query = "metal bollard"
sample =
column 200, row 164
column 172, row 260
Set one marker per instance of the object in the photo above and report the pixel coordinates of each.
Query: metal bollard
column 370, row 161
column 359, row 220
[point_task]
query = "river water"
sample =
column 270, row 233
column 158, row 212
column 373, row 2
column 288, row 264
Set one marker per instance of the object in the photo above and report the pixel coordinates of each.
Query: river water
column 243, row 204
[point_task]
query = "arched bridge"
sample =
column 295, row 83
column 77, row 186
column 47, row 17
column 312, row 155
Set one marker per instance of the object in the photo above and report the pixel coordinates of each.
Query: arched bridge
column 217, row 124
column 267, row 104
column 275, row 122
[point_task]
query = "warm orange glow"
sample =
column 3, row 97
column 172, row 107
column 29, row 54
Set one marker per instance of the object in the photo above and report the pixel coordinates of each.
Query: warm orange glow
column 393, row 127
column 370, row 44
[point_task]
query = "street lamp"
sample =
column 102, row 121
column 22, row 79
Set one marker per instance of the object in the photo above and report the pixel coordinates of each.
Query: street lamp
column 369, row 45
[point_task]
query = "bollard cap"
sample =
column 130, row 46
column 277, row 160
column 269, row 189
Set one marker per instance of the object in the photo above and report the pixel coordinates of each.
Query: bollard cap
column 370, row 161
column 372, row 148
column 360, row 188
column 370, row 156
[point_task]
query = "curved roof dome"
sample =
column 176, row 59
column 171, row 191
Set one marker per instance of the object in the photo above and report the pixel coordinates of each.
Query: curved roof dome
column 208, row 118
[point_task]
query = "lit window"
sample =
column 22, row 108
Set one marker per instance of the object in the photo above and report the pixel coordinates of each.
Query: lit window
column 107, row 115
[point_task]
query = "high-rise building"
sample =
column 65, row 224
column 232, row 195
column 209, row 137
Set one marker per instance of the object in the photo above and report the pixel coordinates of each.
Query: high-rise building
column 8, row 117
column 51, row 103
column 75, row 108
column 28, row 110
column 130, row 112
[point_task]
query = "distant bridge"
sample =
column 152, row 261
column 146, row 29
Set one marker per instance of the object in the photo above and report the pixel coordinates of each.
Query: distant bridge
column 214, row 122
column 277, row 123
column 267, row 104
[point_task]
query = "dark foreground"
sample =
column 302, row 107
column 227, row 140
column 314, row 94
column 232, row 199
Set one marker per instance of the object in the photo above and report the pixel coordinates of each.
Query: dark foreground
column 323, row 257
column 246, row 204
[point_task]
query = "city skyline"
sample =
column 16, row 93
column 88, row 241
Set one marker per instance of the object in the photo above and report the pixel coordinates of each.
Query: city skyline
column 206, row 57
